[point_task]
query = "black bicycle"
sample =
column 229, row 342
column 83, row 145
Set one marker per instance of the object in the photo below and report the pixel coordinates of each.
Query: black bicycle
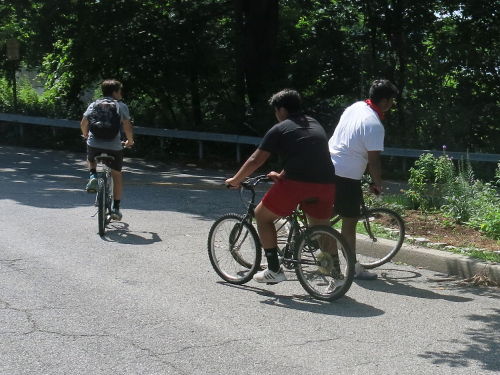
column 319, row 255
column 104, row 196
column 380, row 233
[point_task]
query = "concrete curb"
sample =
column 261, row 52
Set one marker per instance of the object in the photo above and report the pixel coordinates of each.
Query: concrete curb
column 436, row 260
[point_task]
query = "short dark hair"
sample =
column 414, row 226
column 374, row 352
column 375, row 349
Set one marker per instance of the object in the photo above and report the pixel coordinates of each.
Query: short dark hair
column 288, row 99
column 109, row 86
column 382, row 89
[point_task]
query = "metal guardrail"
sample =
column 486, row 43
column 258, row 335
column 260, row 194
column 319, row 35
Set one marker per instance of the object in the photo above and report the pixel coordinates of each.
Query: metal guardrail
column 231, row 138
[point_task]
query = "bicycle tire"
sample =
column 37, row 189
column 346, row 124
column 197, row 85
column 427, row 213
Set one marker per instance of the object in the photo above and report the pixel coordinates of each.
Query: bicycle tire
column 101, row 206
column 389, row 231
column 323, row 282
column 109, row 199
column 225, row 241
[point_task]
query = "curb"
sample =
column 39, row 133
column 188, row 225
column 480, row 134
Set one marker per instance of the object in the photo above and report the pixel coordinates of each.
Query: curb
column 436, row 260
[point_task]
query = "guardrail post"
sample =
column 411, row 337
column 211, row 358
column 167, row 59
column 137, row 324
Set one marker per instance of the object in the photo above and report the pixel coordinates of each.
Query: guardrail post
column 238, row 153
column 200, row 150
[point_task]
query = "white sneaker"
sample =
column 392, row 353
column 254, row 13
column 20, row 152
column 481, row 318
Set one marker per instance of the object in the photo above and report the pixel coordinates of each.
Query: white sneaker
column 268, row 276
column 361, row 274
column 334, row 284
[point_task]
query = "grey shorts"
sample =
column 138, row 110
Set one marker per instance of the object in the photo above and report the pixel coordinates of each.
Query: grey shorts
column 116, row 164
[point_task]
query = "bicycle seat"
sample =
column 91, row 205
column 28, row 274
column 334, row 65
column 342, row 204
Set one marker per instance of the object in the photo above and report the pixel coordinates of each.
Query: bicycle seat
column 104, row 157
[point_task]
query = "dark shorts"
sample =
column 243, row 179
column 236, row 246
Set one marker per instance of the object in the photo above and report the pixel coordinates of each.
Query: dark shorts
column 348, row 197
column 316, row 200
column 116, row 164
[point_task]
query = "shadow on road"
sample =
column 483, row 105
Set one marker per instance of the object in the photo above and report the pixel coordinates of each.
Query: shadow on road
column 120, row 232
column 56, row 179
column 344, row 306
column 393, row 281
column 483, row 345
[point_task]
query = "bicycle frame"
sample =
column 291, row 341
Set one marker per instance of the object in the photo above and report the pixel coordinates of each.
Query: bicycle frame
column 294, row 219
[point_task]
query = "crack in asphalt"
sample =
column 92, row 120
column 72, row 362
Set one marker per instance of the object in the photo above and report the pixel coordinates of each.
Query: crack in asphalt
column 317, row 341
column 35, row 328
column 152, row 354
column 190, row 347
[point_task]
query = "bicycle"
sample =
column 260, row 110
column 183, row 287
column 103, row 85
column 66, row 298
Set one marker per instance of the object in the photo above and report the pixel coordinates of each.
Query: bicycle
column 380, row 233
column 235, row 251
column 104, row 196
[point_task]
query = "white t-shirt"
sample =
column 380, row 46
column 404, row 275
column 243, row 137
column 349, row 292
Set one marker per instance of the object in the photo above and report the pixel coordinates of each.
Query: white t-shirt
column 359, row 130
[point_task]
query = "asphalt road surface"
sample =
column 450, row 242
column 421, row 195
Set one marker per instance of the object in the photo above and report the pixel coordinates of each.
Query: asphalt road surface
column 145, row 300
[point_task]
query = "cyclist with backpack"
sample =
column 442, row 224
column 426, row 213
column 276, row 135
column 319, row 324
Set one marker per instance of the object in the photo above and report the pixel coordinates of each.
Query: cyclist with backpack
column 101, row 126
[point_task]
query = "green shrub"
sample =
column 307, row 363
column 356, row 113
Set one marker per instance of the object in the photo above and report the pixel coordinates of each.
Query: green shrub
column 485, row 214
column 459, row 194
column 435, row 183
column 428, row 181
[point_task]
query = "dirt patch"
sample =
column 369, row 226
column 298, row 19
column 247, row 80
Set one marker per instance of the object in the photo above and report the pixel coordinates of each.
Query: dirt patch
column 437, row 228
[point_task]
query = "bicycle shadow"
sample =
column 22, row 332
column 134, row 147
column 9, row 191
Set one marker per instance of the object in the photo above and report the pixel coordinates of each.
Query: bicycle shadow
column 120, row 232
column 392, row 281
column 345, row 306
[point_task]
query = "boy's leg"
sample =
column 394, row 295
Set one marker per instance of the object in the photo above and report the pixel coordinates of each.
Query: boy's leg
column 92, row 184
column 267, row 232
column 349, row 231
column 117, row 184
column 265, row 226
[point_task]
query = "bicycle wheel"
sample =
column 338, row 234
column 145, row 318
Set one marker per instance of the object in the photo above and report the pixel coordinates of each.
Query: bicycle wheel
column 101, row 206
column 109, row 199
column 379, row 237
column 234, row 249
column 325, row 263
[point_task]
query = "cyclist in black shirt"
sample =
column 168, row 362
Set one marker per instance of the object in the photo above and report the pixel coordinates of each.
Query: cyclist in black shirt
column 307, row 177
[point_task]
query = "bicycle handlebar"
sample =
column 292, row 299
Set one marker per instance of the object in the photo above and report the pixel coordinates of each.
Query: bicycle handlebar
column 251, row 183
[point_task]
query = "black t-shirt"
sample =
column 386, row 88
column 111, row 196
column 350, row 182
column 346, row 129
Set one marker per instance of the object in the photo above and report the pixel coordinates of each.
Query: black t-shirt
column 302, row 145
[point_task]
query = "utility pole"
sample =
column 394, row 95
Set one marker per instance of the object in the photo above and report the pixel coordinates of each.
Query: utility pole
column 13, row 57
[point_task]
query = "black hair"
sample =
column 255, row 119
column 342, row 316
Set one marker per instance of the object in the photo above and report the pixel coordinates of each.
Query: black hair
column 288, row 99
column 109, row 86
column 382, row 89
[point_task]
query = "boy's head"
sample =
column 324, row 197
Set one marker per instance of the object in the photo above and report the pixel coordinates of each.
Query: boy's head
column 382, row 93
column 112, row 88
column 286, row 102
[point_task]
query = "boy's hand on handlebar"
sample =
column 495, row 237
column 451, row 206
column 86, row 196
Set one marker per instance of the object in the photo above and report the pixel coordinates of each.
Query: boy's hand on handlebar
column 232, row 183
column 274, row 176
column 128, row 143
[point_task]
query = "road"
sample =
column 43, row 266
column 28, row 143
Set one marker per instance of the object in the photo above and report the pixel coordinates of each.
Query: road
column 145, row 300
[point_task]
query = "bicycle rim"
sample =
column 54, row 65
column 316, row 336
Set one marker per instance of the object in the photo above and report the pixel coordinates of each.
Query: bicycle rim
column 325, row 264
column 379, row 240
column 234, row 249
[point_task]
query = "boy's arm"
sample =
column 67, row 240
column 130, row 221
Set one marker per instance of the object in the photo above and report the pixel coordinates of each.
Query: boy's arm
column 375, row 168
column 253, row 163
column 84, row 126
column 129, row 133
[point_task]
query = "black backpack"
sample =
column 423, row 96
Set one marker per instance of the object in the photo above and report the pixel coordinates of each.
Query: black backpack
column 104, row 119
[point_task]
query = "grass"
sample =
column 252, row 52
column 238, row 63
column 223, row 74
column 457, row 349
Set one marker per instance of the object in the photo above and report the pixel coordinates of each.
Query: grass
column 477, row 254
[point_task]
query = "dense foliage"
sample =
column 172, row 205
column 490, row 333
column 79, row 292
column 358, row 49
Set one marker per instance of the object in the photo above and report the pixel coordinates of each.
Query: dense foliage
column 211, row 64
column 439, row 184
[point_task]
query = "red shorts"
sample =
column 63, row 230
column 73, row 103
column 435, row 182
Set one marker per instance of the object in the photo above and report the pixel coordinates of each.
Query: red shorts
column 316, row 200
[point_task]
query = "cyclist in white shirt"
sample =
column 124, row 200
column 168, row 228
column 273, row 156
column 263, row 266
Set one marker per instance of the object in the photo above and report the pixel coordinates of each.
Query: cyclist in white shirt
column 356, row 143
